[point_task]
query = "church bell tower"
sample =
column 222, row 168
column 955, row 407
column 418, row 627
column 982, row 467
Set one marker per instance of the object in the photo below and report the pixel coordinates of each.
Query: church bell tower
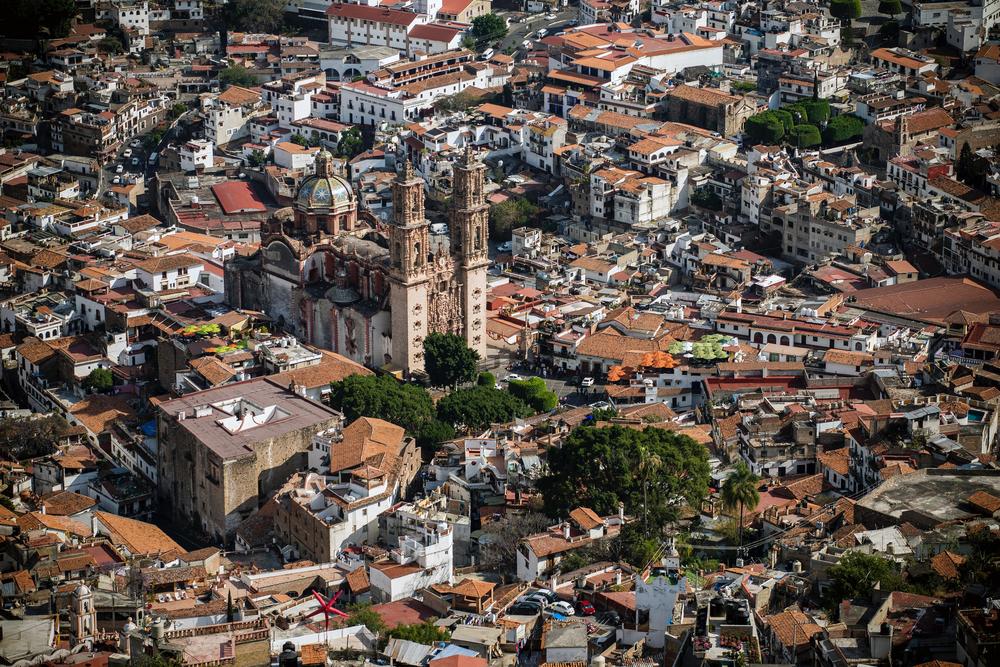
column 408, row 254
column 469, row 232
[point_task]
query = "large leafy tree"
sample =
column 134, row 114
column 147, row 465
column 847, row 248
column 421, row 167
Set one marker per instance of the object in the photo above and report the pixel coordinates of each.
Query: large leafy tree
column 508, row 216
column 488, row 27
column 478, row 407
column 653, row 472
column 384, row 397
column 890, row 7
column 253, row 15
column 498, row 544
column 764, row 128
column 535, row 393
column 739, row 491
column 448, row 360
column 100, row 380
column 362, row 613
column 806, row 136
column 856, row 574
column 351, row 143
column 28, row 437
column 842, row 129
column 237, row 75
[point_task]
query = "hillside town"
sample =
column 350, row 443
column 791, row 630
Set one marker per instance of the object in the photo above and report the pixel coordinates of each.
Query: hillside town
column 500, row 333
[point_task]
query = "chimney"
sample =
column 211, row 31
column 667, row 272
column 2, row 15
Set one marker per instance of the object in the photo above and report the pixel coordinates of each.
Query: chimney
column 618, row 577
column 566, row 530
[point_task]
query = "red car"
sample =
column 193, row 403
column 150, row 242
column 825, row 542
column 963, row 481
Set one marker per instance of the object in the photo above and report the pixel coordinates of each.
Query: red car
column 586, row 608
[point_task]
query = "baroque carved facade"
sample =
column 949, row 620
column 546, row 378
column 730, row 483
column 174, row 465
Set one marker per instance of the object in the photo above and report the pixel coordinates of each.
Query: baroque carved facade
column 340, row 279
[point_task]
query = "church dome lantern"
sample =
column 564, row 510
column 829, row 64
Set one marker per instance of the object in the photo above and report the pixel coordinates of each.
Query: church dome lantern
column 326, row 199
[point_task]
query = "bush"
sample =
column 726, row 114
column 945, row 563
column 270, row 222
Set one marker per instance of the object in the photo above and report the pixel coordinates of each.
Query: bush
column 843, row 129
column 486, row 379
column 786, row 118
column 806, row 136
column 817, row 111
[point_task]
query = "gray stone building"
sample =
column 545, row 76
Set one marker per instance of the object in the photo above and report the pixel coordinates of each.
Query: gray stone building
column 224, row 450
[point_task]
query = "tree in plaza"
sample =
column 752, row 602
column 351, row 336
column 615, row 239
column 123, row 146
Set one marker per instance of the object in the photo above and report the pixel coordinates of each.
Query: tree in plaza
column 486, row 379
column 764, row 128
column 489, row 27
column 100, row 380
column 448, row 360
column 842, row 129
column 856, row 574
column 535, row 393
column 846, row 11
column 509, row 215
column 806, row 136
column 383, row 397
column 890, row 7
column 433, row 433
column 739, row 491
column 237, row 75
column 478, row 407
column 600, row 468
column 110, row 45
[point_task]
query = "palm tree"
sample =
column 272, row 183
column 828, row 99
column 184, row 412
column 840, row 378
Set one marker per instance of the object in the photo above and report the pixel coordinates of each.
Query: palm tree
column 740, row 490
column 649, row 463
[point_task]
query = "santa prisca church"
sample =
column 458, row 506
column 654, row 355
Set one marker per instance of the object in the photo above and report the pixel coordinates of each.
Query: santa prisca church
column 343, row 280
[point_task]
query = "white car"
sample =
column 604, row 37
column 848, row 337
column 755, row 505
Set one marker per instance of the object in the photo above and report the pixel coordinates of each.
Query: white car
column 127, row 153
column 564, row 608
column 549, row 17
column 439, row 228
column 587, row 382
column 506, row 246
column 116, row 180
column 119, row 169
column 526, row 44
column 135, row 143
column 512, row 377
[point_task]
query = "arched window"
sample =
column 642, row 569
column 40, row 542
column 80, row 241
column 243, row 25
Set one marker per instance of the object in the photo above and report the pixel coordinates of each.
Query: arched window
column 418, row 258
column 479, row 238
column 758, row 337
column 771, row 338
column 398, row 260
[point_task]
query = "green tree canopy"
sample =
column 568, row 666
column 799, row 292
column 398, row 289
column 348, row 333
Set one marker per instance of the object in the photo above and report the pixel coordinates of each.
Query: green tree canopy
column 433, row 433
column 486, row 379
column 706, row 197
column 890, row 7
column 100, row 380
column 764, row 128
column 509, row 215
column 448, row 360
column 488, row 27
column 806, row 136
column 843, row 129
column 422, row 633
column 362, row 613
column 383, row 397
column 253, row 15
column 856, row 574
column 110, row 45
column 535, row 393
column 655, row 469
column 237, row 75
column 479, row 406
column 28, row 18
column 846, row 10
column 351, row 143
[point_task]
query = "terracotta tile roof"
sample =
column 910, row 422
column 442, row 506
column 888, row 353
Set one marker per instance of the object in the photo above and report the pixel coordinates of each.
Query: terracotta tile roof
column 985, row 501
column 35, row 351
column 837, row 460
column 138, row 537
column 238, row 96
column 473, row 588
column 313, row 654
column 793, row 628
column 168, row 263
column 586, row 518
column 214, row 371
column 332, row 368
column 66, row 503
column 39, row 521
column 357, row 580
column 367, row 440
column 98, row 411
column 946, row 564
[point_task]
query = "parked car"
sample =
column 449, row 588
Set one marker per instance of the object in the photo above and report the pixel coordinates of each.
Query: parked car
column 547, row 594
column 135, row 143
column 550, row 16
column 135, row 162
column 609, row 618
column 564, row 608
column 506, row 246
column 119, row 169
column 439, row 228
column 520, row 609
column 116, row 180
column 587, row 382
column 586, row 608
column 512, row 376
column 127, row 153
